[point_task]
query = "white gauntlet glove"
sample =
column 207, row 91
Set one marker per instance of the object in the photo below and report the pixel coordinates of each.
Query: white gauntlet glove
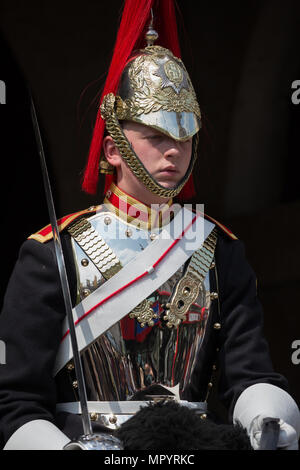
column 265, row 400
column 38, row 434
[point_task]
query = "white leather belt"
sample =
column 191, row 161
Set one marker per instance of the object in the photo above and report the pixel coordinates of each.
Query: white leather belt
column 121, row 407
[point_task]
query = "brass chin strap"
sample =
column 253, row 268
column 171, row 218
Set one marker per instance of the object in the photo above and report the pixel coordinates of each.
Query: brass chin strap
column 114, row 129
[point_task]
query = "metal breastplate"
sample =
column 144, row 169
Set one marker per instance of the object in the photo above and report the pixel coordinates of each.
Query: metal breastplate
column 131, row 358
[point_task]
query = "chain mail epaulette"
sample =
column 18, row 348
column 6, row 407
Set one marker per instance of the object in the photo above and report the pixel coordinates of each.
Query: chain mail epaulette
column 45, row 234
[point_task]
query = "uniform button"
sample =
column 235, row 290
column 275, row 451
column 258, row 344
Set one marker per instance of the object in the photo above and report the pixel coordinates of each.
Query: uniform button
column 86, row 292
column 153, row 236
column 203, row 416
column 84, row 262
column 213, row 265
column 112, row 419
column 70, row 367
column 217, row 326
column 214, row 295
column 94, row 416
column 128, row 233
column 75, row 384
column 107, row 220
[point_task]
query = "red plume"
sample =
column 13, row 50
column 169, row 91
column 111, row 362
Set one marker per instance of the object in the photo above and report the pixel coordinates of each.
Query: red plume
column 131, row 35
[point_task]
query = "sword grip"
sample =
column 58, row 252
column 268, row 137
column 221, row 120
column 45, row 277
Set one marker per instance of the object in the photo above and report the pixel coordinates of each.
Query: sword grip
column 270, row 434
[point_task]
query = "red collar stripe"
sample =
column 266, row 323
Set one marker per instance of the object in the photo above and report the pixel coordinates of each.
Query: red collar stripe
column 131, row 211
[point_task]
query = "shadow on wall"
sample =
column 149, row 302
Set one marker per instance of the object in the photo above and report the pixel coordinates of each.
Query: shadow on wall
column 263, row 145
column 262, row 193
column 23, row 208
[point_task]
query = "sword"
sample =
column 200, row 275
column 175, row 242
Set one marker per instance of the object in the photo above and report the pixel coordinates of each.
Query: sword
column 87, row 427
column 88, row 440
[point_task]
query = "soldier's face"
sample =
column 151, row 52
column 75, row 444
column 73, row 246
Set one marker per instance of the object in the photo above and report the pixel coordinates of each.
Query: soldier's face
column 166, row 159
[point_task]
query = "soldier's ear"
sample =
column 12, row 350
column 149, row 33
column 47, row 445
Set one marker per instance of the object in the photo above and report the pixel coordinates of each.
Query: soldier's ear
column 111, row 151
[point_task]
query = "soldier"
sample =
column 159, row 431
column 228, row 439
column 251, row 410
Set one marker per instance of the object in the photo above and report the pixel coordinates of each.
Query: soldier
column 162, row 294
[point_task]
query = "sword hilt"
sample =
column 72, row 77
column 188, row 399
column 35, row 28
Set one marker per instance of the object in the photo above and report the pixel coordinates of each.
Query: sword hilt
column 100, row 441
column 270, row 434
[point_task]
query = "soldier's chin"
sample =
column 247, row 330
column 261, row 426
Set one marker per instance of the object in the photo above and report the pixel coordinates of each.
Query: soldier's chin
column 168, row 184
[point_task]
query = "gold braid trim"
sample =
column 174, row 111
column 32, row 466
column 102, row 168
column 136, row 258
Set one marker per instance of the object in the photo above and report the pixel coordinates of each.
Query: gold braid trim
column 129, row 156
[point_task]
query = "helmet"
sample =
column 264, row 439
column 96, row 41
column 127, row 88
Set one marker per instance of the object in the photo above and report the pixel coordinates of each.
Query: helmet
column 156, row 91
column 153, row 89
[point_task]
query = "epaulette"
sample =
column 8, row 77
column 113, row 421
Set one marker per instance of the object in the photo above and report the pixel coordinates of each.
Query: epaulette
column 46, row 234
column 222, row 227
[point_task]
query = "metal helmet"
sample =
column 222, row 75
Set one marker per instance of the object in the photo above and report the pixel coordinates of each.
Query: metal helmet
column 155, row 90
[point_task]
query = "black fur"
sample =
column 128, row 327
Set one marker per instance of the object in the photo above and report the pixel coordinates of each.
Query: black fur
column 170, row 426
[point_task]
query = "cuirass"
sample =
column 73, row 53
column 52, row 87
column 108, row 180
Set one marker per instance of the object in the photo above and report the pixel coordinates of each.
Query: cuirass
column 130, row 358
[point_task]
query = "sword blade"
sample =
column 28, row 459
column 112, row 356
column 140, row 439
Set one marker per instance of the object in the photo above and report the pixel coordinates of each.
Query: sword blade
column 87, row 428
